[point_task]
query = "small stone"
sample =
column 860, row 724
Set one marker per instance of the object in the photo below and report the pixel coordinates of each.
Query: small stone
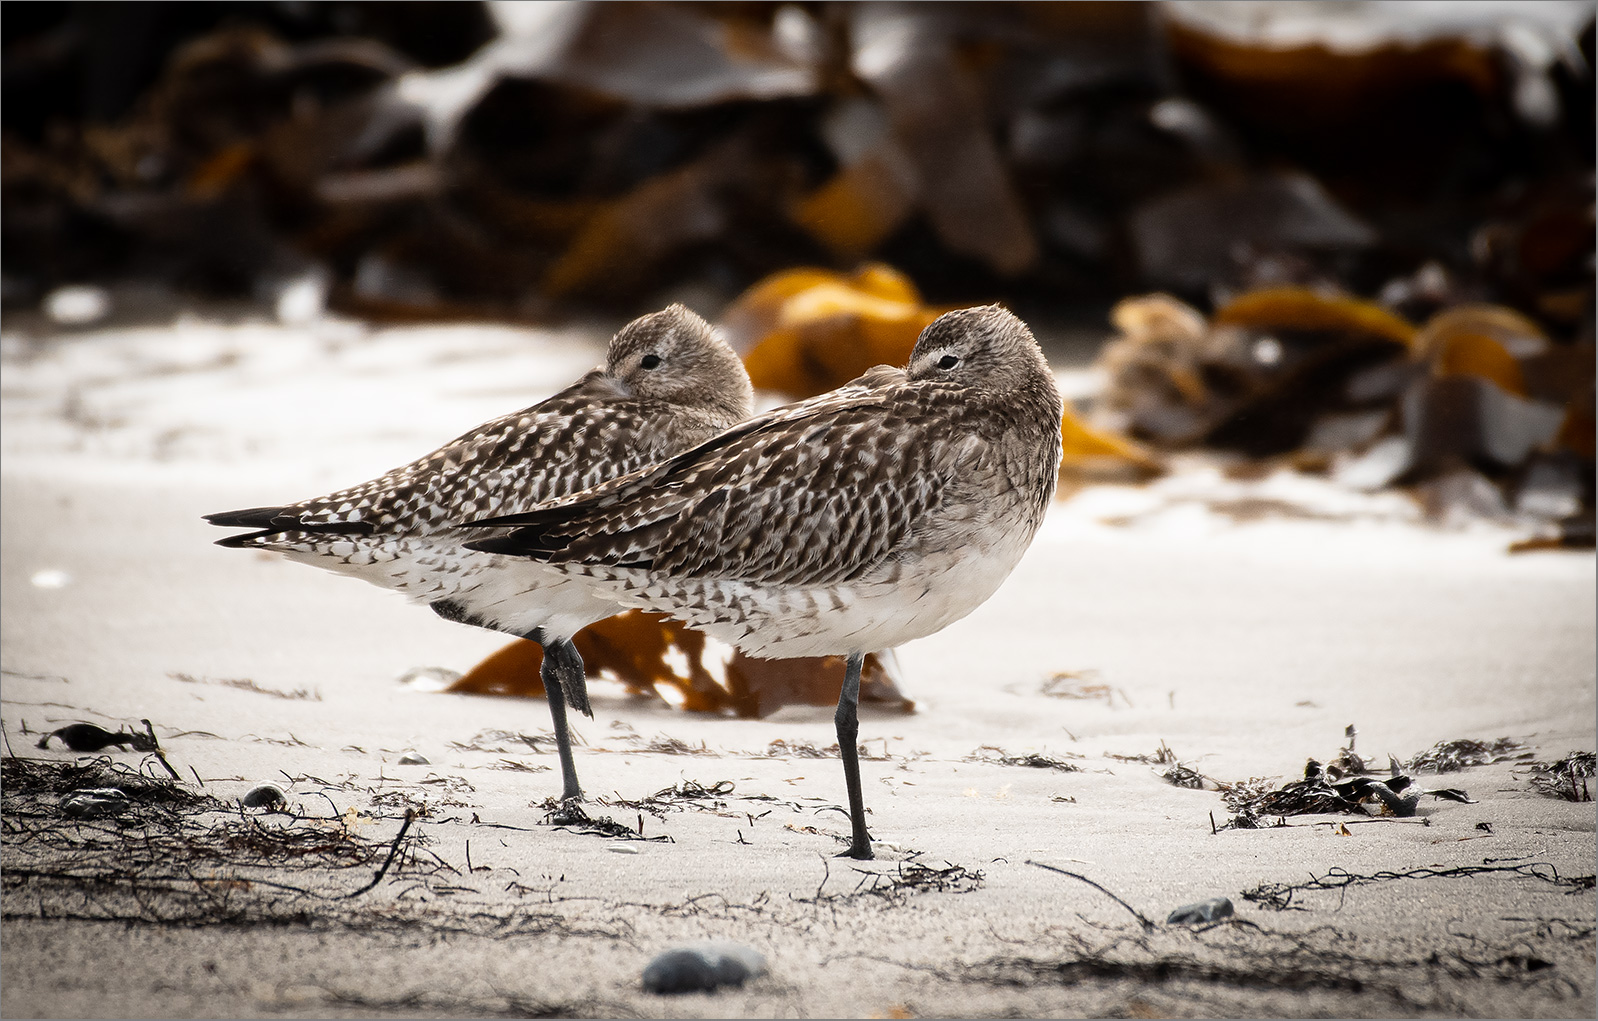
column 1212, row 910
column 413, row 759
column 263, row 796
column 77, row 304
column 301, row 300
column 703, row 967
column 94, row 803
column 51, row 578
column 429, row 678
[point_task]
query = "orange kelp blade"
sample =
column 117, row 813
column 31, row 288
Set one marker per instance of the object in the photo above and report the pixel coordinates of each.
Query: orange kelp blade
column 653, row 655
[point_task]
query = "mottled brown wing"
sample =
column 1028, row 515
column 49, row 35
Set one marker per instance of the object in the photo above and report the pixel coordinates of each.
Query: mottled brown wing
column 814, row 494
column 563, row 445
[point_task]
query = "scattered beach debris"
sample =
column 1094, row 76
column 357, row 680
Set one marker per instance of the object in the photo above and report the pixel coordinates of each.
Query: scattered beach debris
column 245, row 684
column 917, row 877
column 1031, row 760
column 782, row 748
column 158, row 860
column 413, row 759
column 1082, row 684
column 908, row 877
column 1464, row 753
column 1180, row 775
column 1348, row 762
column 88, row 737
column 657, row 657
column 1566, row 778
column 1148, row 926
column 682, row 795
column 1201, row 912
column 1320, row 794
column 665, row 744
column 517, row 766
column 1478, row 410
column 1231, row 966
column 1161, row 756
column 1280, row 896
column 494, row 741
column 264, row 795
column 703, row 967
column 571, row 816
column 94, row 802
column 1344, row 785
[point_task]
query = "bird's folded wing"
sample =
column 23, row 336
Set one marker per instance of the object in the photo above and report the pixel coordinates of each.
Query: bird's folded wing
column 511, row 462
column 814, row 494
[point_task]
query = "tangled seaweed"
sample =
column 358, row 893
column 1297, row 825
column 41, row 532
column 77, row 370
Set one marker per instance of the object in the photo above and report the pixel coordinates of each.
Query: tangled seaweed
column 1032, row 760
column 1567, row 778
column 1463, row 753
column 172, row 855
column 1279, row 896
column 910, row 878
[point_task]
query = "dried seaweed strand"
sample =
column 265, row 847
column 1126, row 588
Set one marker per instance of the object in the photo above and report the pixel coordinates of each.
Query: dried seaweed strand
column 1148, row 926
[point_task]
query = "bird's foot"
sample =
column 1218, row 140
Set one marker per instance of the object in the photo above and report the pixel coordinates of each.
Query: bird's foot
column 568, row 811
column 859, row 852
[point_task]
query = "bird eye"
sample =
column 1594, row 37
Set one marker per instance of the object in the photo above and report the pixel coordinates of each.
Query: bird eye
column 650, row 361
column 948, row 362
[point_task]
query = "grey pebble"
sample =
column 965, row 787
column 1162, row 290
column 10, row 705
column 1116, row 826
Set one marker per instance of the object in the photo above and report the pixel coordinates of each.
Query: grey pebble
column 263, row 796
column 413, row 759
column 94, row 803
column 1212, row 910
column 703, row 967
column 430, row 678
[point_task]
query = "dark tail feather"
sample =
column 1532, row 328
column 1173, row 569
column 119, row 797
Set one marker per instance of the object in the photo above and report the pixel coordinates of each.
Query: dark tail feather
column 243, row 540
column 253, row 517
column 272, row 520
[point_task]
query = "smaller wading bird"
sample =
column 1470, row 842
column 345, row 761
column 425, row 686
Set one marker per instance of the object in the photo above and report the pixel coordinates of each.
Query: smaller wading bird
column 668, row 382
column 842, row 525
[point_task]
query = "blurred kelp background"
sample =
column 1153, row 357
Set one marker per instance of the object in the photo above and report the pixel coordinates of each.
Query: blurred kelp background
column 1355, row 236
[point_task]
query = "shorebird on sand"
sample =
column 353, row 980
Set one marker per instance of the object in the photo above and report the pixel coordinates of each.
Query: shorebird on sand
column 842, row 525
column 668, row 383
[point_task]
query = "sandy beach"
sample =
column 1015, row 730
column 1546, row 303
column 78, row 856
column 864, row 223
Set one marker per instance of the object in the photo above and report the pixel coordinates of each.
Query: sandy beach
column 1242, row 625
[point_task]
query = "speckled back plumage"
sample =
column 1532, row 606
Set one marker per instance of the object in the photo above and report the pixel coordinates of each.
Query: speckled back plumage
column 616, row 419
column 818, row 521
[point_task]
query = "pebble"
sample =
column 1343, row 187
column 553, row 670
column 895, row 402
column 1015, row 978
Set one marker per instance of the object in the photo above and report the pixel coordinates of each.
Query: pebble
column 263, row 796
column 94, row 803
column 703, row 967
column 413, row 759
column 51, row 578
column 77, row 304
column 429, row 678
column 1212, row 910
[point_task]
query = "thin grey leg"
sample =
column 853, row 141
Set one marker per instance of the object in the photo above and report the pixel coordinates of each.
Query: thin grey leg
column 848, row 720
column 559, row 657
